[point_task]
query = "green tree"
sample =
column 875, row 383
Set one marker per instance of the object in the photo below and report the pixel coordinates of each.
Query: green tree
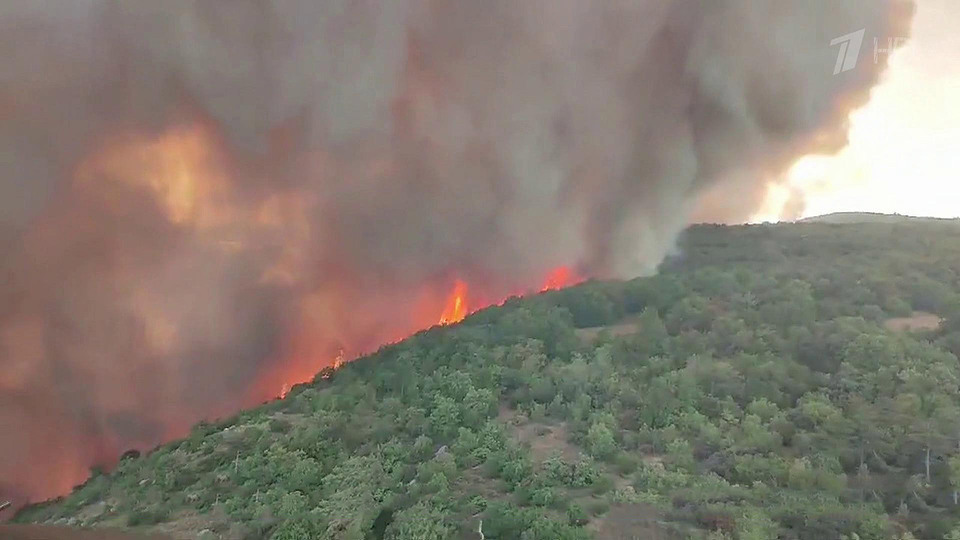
column 353, row 494
column 300, row 528
column 418, row 522
column 445, row 417
column 651, row 334
column 600, row 441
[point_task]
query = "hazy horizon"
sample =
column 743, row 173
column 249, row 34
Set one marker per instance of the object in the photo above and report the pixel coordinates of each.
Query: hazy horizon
column 904, row 144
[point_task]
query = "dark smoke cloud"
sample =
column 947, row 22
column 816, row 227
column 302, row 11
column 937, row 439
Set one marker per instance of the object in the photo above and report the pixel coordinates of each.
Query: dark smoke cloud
column 200, row 200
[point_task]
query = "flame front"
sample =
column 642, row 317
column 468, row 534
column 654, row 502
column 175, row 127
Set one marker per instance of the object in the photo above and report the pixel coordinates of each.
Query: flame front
column 300, row 368
column 456, row 306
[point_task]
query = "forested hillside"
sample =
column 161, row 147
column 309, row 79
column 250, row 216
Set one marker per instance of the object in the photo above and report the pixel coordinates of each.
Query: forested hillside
column 794, row 381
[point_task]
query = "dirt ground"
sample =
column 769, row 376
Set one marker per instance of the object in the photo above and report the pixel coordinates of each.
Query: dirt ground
column 920, row 320
column 628, row 522
column 626, row 327
column 37, row 532
column 543, row 439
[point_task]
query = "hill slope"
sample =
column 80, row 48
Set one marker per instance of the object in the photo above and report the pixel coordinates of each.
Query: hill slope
column 751, row 390
column 872, row 217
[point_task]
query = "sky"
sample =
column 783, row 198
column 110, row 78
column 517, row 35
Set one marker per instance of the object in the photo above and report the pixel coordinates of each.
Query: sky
column 904, row 150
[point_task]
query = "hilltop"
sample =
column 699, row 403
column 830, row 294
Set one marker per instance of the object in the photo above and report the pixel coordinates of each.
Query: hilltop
column 873, row 217
column 763, row 384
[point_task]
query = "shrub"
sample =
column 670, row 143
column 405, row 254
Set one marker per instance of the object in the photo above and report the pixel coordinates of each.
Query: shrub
column 145, row 516
column 576, row 515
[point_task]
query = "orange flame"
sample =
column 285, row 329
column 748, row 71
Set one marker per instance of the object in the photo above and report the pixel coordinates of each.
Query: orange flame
column 560, row 277
column 337, row 364
column 456, row 307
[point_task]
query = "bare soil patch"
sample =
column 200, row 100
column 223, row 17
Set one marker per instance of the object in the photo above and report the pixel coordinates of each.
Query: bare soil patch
column 920, row 320
column 543, row 439
column 629, row 522
column 622, row 328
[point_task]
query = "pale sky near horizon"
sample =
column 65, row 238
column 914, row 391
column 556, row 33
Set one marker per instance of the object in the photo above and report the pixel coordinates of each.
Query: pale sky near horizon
column 904, row 150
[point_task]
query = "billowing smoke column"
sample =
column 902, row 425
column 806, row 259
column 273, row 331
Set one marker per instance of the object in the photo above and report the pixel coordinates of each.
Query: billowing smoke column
column 200, row 202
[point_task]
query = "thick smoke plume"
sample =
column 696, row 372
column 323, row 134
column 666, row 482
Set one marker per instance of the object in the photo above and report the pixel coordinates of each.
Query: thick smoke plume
column 203, row 201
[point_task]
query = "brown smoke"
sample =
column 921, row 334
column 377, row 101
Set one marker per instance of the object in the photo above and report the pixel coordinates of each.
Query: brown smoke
column 202, row 201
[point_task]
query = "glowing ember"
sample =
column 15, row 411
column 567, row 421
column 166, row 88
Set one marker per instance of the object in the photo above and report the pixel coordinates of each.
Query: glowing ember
column 456, row 306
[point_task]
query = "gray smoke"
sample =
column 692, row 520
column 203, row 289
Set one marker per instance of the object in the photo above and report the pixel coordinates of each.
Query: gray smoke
column 201, row 199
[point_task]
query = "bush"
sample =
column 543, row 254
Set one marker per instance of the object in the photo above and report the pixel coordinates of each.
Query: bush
column 478, row 504
column 543, row 496
column 145, row 516
column 600, row 442
column 420, row 522
column 626, row 463
column 576, row 515
column 577, row 475
column 598, row 507
column 603, row 484
column 279, row 425
column 299, row 528
column 505, row 520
